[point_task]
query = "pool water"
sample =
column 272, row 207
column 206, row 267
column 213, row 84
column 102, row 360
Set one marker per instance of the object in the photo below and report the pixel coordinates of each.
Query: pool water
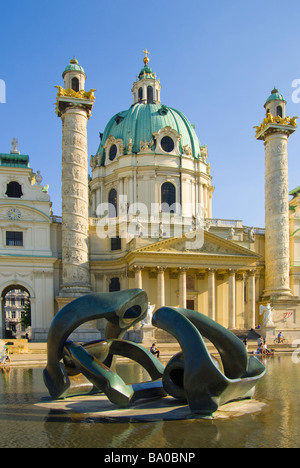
column 23, row 423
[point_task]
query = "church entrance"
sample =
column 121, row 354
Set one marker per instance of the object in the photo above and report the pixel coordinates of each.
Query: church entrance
column 190, row 304
column 16, row 312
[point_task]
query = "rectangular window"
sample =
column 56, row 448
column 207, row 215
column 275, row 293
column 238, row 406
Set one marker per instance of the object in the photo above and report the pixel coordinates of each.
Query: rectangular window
column 115, row 243
column 14, row 238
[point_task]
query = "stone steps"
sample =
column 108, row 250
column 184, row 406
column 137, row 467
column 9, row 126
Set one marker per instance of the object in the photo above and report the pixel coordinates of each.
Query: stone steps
column 163, row 337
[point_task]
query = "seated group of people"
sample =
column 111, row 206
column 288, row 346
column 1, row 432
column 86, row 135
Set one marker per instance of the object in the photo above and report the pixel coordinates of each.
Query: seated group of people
column 262, row 347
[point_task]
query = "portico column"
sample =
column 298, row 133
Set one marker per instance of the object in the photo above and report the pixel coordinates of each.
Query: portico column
column 212, row 293
column 160, row 286
column 241, row 278
column 231, row 302
column 138, row 276
column 251, row 299
column 182, row 287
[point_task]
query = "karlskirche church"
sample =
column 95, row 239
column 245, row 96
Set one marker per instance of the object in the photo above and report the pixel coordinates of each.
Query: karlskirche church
column 144, row 219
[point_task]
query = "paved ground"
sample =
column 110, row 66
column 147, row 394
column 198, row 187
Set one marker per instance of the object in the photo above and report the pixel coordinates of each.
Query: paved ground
column 37, row 352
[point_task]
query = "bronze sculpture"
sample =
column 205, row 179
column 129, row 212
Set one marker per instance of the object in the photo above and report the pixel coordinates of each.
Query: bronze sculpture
column 192, row 375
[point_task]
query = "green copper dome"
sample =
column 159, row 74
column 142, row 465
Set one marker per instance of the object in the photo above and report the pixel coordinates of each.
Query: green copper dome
column 146, row 71
column 141, row 121
column 73, row 66
column 275, row 96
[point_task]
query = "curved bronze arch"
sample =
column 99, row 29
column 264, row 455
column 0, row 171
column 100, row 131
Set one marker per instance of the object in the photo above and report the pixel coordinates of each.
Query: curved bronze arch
column 205, row 386
column 109, row 382
column 122, row 309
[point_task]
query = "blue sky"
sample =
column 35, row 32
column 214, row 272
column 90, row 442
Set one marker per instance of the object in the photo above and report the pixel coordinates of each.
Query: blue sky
column 217, row 62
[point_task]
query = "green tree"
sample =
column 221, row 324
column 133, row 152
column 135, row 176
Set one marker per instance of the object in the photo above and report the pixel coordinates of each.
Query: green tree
column 26, row 319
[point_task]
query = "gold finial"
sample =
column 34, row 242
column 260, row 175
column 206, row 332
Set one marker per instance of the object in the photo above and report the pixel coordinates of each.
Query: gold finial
column 146, row 59
column 74, row 61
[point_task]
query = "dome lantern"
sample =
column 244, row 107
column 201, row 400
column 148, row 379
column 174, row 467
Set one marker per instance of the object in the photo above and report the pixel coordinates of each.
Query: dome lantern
column 146, row 89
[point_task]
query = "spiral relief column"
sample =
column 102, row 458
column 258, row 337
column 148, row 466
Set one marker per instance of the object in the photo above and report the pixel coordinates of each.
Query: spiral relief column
column 74, row 106
column 277, row 215
column 76, row 278
column 275, row 130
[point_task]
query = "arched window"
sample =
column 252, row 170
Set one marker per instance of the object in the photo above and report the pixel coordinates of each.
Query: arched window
column 113, row 152
column 149, row 94
column 140, row 95
column 279, row 111
column 16, row 305
column 168, row 197
column 75, row 84
column 113, row 204
column 14, row 190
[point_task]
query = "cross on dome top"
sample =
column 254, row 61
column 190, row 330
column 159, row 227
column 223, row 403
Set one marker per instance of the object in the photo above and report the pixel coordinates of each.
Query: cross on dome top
column 146, row 59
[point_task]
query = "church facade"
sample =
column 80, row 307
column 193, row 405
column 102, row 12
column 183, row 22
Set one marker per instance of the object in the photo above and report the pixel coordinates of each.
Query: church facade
column 144, row 218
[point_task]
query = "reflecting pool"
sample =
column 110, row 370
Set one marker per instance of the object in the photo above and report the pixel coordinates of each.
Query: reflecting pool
column 25, row 424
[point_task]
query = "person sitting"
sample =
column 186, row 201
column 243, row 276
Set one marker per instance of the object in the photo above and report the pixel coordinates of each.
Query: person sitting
column 4, row 355
column 260, row 341
column 265, row 350
column 7, row 354
column 154, row 350
column 279, row 336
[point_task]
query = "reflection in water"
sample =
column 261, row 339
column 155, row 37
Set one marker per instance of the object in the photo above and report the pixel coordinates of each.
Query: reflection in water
column 24, row 424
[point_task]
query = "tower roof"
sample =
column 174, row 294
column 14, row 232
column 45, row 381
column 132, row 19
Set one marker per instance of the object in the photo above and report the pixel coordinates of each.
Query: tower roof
column 74, row 66
column 146, row 72
column 14, row 160
column 275, row 96
column 295, row 192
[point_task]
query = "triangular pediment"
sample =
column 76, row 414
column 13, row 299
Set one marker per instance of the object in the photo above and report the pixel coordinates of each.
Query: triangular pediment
column 204, row 244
